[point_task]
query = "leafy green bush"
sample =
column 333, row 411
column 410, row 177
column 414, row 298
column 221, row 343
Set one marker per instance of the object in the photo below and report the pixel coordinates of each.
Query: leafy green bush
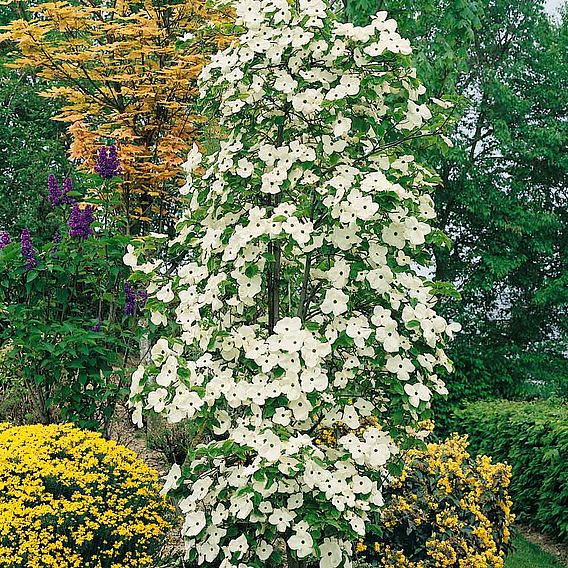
column 533, row 438
column 66, row 311
column 16, row 405
column 173, row 441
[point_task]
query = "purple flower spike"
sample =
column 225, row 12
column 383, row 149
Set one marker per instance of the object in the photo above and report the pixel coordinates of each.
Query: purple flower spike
column 80, row 221
column 56, row 241
column 57, row 195
column 5, row 240
column 53, row 191
column 133, row 299
column 142, row 297
column 28, row 251
column 67, row 187
column 130, row 300
column 107, row 164
column 97, row 327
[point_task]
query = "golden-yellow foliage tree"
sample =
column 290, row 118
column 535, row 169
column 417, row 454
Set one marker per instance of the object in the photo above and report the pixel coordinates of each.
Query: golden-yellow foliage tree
column 126, row 72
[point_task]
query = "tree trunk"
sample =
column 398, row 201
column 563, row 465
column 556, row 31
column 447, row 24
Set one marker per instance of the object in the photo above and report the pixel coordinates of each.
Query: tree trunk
column 291, row 561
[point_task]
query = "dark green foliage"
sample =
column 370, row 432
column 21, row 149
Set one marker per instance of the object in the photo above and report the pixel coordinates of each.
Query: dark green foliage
column 63, row 329
column 533, row 438
column 503, row 202
column 503, row 197
column 31, row 145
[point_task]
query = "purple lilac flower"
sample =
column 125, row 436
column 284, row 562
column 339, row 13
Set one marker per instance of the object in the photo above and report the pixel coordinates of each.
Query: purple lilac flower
column 141, row 297
column 56, row 241
column 133, row 299
column 80, row 221
column 67, row 187
column 57, row 195
column 107, row 164
column 130, row 300
column 28, row 251
column 5, row 240
column 53, row 191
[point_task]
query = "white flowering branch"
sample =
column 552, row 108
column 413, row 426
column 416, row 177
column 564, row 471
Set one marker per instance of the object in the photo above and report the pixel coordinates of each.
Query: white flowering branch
column 296, row 301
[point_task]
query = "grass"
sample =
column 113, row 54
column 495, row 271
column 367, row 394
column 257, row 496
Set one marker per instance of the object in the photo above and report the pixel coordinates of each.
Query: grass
column 528, row 555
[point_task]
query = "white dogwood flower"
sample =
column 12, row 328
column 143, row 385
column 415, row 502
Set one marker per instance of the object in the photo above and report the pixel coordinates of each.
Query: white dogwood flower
column 281, row 519
column 401, row 366
column 239, row 545
column 302, row 543
column 331, row 554
column 264, row 550
column 341, row 126
column 245, row 168
column 172, row 479
column 307, row 102
column 416, row 393
column 335, row 302
column 194, row 523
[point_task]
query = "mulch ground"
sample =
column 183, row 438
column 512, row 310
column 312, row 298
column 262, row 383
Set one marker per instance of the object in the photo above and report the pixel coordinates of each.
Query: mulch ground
column 547, row 543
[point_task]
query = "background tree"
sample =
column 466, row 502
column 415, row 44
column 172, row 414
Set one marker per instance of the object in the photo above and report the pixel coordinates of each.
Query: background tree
column 503, row 193
column 125, row 73
column 504, row 201
column 31, row 145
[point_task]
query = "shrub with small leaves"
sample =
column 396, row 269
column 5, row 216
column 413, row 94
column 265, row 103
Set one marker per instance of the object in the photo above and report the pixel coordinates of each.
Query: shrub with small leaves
column 446, row 509
column 16, row 405
column 70, row 499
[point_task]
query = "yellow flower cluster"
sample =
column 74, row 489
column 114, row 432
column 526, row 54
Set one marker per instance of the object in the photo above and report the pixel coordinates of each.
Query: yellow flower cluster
column 69, row 498
column 328, row 436
column 446, row 509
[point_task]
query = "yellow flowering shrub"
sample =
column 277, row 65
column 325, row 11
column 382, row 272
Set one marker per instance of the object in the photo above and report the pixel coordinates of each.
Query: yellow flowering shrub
column 70, row 498
column 446, row 509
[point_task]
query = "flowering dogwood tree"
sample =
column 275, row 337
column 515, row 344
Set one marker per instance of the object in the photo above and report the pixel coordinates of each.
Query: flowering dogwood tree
column 295, row 301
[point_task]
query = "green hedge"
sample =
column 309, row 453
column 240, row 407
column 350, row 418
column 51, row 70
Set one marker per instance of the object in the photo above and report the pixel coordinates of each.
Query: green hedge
column 533, row 438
